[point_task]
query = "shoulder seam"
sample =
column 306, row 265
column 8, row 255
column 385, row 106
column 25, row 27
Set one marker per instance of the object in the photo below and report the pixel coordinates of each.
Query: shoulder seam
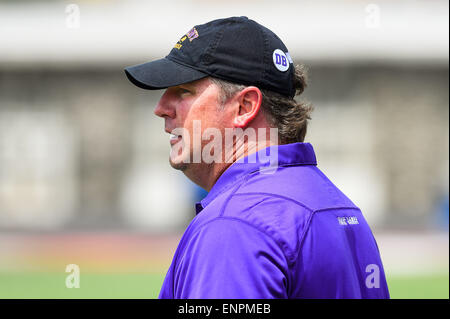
column 275, row 195
column 296, row 202
column 336, row 208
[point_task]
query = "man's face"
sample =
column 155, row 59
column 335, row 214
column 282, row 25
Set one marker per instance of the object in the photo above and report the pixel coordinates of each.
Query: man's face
column 180, row 106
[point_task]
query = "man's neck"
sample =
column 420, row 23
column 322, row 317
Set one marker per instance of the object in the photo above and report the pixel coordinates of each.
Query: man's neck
column 206, row 175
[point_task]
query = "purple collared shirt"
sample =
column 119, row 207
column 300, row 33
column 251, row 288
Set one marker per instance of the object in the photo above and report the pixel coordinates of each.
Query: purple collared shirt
column 284, row 233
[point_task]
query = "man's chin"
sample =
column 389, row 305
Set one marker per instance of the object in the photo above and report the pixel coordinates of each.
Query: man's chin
column 178, row 164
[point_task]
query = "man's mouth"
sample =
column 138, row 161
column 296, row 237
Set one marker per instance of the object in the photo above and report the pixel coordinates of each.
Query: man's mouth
column 174, row 138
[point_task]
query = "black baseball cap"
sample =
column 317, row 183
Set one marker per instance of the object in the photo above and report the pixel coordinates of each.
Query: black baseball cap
column 235, row 49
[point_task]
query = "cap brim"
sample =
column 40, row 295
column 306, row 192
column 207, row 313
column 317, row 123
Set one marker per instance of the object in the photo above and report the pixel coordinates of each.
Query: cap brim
column 161, row 74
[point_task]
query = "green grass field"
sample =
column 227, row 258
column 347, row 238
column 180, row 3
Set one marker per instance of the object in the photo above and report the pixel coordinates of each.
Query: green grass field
column 52, row 285
column 419, row 287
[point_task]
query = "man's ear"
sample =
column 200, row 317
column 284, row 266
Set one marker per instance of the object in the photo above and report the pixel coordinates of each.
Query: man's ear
column 249, row 100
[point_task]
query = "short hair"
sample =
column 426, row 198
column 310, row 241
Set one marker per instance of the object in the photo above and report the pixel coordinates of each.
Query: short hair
column 283, row 112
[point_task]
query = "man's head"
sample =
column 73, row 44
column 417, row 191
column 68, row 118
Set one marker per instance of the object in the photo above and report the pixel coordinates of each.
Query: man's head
column 226, row 76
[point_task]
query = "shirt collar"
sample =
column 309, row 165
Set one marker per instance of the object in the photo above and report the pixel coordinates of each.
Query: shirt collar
column 288, row 154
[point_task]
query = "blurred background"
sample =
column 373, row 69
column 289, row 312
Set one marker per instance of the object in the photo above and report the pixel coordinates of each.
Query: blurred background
column 84, row 173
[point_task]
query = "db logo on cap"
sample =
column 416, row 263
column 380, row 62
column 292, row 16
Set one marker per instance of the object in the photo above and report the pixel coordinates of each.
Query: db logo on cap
column 280, row 60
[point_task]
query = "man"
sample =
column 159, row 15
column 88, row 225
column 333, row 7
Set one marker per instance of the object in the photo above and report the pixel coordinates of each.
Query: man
column 271, row 226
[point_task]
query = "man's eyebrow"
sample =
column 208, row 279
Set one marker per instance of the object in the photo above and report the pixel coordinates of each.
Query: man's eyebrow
column 180, row 86
column 188, row 85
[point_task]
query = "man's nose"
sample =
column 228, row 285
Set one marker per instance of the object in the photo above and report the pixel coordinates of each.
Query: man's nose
column 165, row 107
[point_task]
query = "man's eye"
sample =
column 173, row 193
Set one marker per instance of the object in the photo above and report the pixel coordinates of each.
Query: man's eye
column 184, row 91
